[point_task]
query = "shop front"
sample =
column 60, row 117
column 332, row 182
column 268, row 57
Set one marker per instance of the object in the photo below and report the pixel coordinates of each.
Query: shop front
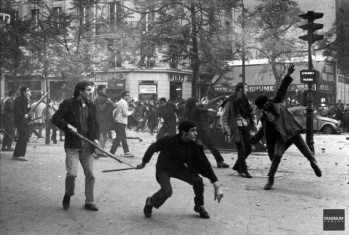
column 176, row 86
column 147, row 91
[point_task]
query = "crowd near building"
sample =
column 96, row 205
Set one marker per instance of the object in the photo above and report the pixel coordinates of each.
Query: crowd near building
column 160, row 71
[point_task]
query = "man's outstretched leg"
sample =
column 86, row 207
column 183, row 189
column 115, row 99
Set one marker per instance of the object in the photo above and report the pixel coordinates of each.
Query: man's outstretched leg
column 303, row 147
column 273, row 168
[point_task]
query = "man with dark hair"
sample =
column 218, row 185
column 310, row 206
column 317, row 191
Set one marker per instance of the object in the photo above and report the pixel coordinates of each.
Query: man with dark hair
column 7, row 121
column 238, row 120
column 120, row 115
column 104, row 107
column 181, row 158
column 78, row 115
column 281, row 129
column 168, row 112
column 20, row 119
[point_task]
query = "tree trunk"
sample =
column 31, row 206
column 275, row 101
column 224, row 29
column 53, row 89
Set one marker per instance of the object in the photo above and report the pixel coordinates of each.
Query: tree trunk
column 195, row 57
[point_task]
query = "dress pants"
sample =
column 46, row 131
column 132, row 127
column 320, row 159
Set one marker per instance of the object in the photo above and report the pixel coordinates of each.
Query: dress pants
column 120, row 131
column 10, row 132
column 244, row 149
column 21, row 144
column 281, row 147
column 163, row 177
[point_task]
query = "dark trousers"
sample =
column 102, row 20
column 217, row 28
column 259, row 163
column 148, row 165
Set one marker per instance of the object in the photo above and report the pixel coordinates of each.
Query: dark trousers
column 21, row 144
column 119, row 129
column 201, row 135
column 163, row 178
column 168, row 128
column 10, row 132
column 54, row 131
column 151, row 124
column 244, row 149
column 281, row 147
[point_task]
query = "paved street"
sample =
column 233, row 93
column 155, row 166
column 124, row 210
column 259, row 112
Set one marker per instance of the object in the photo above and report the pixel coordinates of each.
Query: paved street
column 32, row 192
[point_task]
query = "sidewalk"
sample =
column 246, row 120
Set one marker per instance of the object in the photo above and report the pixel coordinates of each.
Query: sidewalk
column 31, row 194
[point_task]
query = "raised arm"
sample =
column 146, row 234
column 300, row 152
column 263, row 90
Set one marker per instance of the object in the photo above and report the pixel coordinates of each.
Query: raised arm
column 286, row 81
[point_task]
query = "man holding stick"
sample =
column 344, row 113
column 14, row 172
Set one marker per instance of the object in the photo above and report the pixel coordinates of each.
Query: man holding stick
column 181, row 158
column 78, row 115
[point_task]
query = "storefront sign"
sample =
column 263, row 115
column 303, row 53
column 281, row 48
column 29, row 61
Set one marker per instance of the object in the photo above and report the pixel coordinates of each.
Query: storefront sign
column 176, row 78
column 147, row 89
column 5, row 18
column 261, row 88
column 100, row 83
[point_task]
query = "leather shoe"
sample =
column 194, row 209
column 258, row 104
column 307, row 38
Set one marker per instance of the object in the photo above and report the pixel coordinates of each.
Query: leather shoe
column 246, row 175
column 91, row 207
column 269, row 184
column 10, row 149
column 148, row 209
column 66, row 202
column 201, row 210
column 316, row 169
column 236, row 169
column 222, row 165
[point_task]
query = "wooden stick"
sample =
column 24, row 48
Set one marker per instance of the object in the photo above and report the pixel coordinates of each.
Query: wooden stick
column 99, row 148
column 37, row 103
column 124, row 169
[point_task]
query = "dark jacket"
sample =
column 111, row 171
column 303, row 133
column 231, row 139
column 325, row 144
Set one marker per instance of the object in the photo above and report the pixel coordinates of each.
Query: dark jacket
column 104, row 112
column 20, row 108
column 69, row 113
column 284, row 124
column 7, row 111
column 177, row 154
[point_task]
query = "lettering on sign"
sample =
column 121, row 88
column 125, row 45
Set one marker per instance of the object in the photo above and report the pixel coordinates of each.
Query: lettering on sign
column 261, row 88
column 5, row 18
column 100, row 83
column 147, row 89
column 176, row 78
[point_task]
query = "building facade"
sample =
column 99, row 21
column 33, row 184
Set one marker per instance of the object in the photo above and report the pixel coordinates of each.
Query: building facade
column 152, row 78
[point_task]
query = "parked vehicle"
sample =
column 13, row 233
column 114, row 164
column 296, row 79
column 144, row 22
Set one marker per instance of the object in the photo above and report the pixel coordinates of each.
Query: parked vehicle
column 320, row 124
column 216, row 134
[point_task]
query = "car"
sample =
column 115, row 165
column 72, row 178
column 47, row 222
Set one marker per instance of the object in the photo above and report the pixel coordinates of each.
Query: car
column 320, row 124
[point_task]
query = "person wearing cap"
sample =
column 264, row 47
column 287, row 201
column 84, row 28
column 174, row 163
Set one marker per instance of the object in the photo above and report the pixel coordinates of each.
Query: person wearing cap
column 281, row 129
column 181, row 158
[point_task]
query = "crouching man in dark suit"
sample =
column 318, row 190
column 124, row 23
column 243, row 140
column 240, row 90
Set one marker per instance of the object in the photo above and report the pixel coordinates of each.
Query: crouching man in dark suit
column 181, row 158
column 78, row 114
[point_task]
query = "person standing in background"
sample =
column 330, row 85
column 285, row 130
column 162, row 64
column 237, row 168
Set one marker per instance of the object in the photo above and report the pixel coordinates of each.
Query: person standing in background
column 104, row 107
column 7, row 121
column 51, row 110
column 20, row 119
column 121, row 114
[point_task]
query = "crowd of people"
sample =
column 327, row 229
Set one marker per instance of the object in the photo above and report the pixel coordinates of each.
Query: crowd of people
column 182, row 130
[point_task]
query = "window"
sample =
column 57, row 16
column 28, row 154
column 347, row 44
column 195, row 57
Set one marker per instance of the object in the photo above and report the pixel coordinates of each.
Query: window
column 35, row 17
column 118, row 59
column 57, row 9
column 115, row 13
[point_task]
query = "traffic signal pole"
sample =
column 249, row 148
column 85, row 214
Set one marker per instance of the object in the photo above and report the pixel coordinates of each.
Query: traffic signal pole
column 311, row 38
